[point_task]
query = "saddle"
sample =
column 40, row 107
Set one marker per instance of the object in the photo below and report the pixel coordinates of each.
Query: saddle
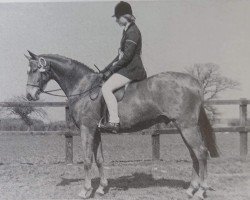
column 119, row 94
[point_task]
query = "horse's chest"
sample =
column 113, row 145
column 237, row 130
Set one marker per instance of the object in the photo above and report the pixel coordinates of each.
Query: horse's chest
column 85, row 111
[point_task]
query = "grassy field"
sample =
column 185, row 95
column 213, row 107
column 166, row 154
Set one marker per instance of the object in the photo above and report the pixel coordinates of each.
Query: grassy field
column 32, row 167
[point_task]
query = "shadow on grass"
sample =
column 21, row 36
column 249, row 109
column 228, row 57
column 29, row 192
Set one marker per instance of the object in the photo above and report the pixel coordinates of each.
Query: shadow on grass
column 68, row 181
column 136, row 180
column 142, row 180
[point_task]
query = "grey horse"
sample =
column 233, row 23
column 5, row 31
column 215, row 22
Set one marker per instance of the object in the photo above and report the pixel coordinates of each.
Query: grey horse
column 164, row 97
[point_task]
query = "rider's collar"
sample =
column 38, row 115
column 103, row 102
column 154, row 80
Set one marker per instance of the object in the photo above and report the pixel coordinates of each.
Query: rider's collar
column 127, row 26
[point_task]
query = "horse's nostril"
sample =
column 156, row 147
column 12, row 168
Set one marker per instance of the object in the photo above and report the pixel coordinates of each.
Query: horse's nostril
column 29, row 97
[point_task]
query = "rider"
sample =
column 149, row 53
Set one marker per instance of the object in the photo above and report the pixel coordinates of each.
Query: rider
column 126, row 67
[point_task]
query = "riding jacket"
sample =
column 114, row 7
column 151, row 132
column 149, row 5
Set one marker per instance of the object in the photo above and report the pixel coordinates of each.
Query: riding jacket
column 128, row 61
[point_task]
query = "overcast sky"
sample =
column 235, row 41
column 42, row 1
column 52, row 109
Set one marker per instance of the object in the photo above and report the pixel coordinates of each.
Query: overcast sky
column 176, row 34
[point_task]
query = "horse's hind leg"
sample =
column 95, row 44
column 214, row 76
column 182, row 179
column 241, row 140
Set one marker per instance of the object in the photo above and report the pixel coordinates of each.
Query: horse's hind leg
column 193, row 140
column 98, row 152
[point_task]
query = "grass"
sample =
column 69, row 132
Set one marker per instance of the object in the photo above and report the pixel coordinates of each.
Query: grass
column 32, row 167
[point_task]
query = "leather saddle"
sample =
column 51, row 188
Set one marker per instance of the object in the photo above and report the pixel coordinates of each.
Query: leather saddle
column 119, row 94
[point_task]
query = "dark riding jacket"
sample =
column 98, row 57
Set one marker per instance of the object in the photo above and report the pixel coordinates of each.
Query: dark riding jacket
column 130, row 63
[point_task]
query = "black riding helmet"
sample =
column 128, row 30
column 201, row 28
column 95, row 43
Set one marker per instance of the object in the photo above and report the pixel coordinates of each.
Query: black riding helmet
column 122, row 8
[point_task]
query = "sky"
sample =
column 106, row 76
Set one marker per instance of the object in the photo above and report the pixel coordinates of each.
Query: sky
column 176, row 34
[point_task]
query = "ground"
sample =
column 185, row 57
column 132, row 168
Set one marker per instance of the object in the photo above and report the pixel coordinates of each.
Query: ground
column 32, row 167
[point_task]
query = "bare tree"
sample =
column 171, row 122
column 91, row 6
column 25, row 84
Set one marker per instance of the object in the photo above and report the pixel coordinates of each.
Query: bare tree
column 213, row 83
column 24, row 112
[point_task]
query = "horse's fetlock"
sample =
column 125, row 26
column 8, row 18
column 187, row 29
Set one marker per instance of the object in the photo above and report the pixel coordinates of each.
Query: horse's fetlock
column 195, row 186
column 204, row 186
column 104, row 182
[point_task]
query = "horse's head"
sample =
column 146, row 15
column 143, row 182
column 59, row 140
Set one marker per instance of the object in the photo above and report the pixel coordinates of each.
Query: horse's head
column 38, row 76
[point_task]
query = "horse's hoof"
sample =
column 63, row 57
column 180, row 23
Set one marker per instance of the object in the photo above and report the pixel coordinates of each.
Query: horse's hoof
column 199, row 198
column 200, row 195
column 85, row 193
column 190, row 193
column 100, row 191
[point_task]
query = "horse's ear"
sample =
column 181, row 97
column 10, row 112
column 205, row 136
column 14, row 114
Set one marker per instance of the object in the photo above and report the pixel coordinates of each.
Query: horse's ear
column 29, row 58
column 33, row 56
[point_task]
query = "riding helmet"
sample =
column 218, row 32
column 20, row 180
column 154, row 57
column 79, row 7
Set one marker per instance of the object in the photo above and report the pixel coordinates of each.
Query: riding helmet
column 122, row 8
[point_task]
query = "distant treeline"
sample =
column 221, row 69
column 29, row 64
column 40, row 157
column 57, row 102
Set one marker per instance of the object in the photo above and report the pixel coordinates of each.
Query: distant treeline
column 13, row 124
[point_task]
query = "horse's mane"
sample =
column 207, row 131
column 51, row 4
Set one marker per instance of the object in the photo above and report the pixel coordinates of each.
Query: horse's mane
column 66, row 59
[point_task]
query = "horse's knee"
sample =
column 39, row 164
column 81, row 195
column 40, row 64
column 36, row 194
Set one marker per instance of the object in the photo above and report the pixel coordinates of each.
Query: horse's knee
column 99, row 162
column 201, row 152
column 87, row 164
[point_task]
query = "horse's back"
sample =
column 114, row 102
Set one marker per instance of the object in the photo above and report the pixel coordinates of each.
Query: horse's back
column 165, row 81
column 181, row 79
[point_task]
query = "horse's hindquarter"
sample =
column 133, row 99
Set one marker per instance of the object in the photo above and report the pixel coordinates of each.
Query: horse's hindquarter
column 169, row 94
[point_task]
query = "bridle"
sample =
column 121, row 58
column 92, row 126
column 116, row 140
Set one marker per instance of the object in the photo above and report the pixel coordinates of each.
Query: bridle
column 43, row 64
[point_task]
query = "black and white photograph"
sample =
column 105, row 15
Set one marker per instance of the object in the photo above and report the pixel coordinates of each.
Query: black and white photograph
column 124, row 100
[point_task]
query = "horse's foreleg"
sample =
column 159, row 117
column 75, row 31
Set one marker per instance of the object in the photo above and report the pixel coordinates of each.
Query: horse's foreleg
column 87, row 137
column 99, row 162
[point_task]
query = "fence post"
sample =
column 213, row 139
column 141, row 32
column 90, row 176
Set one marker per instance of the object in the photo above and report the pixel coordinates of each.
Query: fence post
column 243, row 134
column 68, row 139
column 155, row 145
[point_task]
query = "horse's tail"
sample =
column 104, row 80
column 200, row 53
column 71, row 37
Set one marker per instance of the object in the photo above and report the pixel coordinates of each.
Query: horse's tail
column 208, row 133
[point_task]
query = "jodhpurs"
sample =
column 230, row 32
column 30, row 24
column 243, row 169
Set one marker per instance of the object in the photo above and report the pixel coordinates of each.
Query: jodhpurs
column 114, row 82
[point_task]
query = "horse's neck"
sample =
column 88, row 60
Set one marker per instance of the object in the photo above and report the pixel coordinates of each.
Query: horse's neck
column 70, row 77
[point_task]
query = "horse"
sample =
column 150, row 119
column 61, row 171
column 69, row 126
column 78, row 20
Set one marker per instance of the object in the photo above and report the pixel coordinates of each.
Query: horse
column 165, row 97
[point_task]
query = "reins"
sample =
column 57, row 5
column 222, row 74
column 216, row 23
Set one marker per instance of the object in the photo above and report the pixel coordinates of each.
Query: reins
column 72, row 95
column 53, row 90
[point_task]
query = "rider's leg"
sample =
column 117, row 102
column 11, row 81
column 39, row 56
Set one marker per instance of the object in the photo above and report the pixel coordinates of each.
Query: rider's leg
column 114, row 82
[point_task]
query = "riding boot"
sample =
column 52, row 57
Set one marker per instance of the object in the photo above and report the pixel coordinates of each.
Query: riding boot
column 110, row 127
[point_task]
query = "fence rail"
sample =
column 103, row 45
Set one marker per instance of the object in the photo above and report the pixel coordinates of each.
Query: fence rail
column 242, row 129
column 33, row 103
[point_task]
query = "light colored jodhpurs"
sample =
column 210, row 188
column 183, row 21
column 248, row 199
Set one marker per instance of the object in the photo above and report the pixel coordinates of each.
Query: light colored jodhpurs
column 114, row 82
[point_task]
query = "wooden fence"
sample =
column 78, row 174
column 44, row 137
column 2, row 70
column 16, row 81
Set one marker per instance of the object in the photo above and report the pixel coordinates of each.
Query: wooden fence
column 243, row 129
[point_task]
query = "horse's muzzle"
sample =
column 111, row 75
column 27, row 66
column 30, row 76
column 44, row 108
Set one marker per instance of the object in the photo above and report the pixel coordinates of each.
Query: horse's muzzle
column 33, row 95
column 29, row 97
